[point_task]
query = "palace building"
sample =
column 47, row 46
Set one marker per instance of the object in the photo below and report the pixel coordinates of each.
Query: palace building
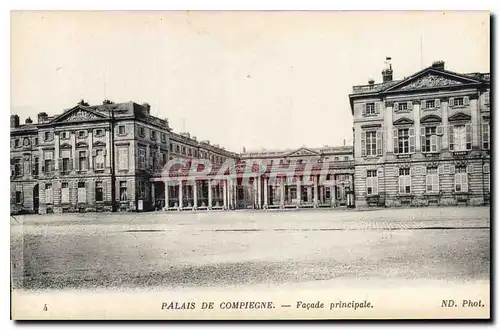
column 422, row 140
column 119, row 157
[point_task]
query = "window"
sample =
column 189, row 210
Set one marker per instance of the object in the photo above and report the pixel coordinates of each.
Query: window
column 432, row 180
column 370, row 108
column 18, row 169
column 36, row 165
column 64, row 193
column 458, row 101
column 81, row 134
column 371, row 182
column 99, row 159
column 336, row 158
column 486, row 171
column 183, row 150
column 403, row 141
column 486, row 135
column 346, row 157
column 121, row 130
column 98, row 191
column 82, row 160
column 461, row 179
column 153, row 135
column 430, row 104
column 141, row 131
column 460, row 137
column 404, row 181
column 19, row 197
column 190, row 152
column 123, row 158
column 64, row 135
column 99, row 132
column 82, row 192
column 164, row 158
column 35, row 142
column 49, row 197
column 47, row 166
column 487, row 97
column 141, row 190
column 171, row 147
column 46, row 136
column 17, row 143
column 123, row 190
column 402, row 106
column 66, row 165
column 430, row 139
column 142, row 158
column 163, row 138
column 370, row 143
column 177, row 149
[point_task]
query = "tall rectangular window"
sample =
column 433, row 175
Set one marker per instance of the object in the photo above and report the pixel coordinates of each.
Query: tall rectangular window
column 123, row 190
column 123, row 158
column 430, row 139
column 121, row 130
column 370, row 108
column 486, row 135
column 142, row 158
column 371, row 182
column 99, row 159
column 404, row 181
column 64, row 193
column 47, row 166
column 18, row 169
column 460, row 137
column 432, row 180
column 461, row 180
column 98, row 191
column 82, row 160
column 36, row 165
column 403, row 140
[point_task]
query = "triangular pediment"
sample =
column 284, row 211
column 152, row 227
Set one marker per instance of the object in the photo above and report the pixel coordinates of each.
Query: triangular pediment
column 432, row 78
column 430, row 119
column 459, row 116
column 303, row 152
column 403, row 121
column 77, row 114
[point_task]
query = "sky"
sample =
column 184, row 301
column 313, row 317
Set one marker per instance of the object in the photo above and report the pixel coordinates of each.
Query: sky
column 272, row 80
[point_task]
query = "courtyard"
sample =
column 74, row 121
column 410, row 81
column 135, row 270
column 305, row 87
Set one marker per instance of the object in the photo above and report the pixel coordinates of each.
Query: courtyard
column 244, row 248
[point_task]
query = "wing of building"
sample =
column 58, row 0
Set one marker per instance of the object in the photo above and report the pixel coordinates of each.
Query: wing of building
column 422, row 140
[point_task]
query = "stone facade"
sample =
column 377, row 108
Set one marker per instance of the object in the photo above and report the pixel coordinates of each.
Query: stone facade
column 423, row 140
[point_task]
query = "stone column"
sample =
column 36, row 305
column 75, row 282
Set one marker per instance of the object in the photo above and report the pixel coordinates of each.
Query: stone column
column 282, row 192
column 209, row 193
column 224, row 193
column 266, row 188
column 108, row 150
column 259, row 192
column 166, row 194
column 195, row 195
column 180, row 195
column 475, row 121
column 445, row 144
column 57, row 154
column 89, row 142
column 416, row 122
column 315, row 181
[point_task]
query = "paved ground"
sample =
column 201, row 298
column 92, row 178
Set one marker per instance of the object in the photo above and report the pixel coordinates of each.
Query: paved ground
column 244, row 247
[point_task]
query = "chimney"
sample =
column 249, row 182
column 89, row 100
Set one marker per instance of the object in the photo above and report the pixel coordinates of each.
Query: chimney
column 14, row 121
column 371, row 82
column 387, row 72
column 28, row 121
column 439, row 65
column 42, row 116
column 244, row 150
column 147, row 107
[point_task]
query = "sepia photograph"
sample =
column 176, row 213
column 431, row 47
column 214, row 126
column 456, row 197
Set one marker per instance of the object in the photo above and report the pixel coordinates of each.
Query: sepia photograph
column 250, row 165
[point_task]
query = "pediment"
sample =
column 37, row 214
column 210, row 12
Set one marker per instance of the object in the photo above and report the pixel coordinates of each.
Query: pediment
column 82, row 145
column 303, row 152
column 78, row 113
column 403, row 121
column 99, row 144
column 430, row 119
column 431, row 78
column 459, row 116
column 65, row 146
